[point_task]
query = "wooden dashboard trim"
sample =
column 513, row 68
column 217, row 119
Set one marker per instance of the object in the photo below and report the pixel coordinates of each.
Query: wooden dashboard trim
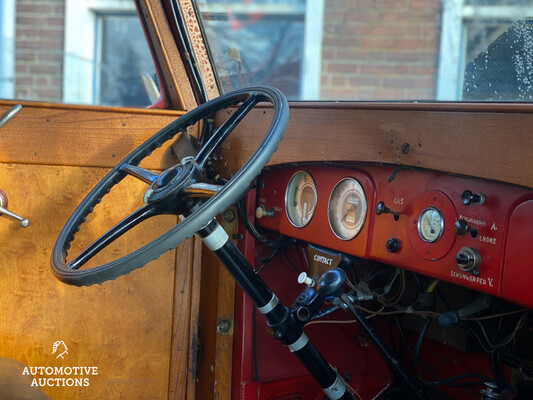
column 418, row 106
column 481, row 140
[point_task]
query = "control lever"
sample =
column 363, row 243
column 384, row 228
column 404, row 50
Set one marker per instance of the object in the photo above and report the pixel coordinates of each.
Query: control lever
column 451, row 318
column 381, row 208
column 3, row 210
column 331, row 283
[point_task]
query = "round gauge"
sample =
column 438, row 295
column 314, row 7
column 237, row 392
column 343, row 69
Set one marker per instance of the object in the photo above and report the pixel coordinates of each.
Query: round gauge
column 300, row 199
column 347, row 208
column 430, row 225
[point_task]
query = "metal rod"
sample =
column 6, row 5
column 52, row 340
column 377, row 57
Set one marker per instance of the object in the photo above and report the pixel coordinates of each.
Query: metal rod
column 10, row 114
column 393, row 363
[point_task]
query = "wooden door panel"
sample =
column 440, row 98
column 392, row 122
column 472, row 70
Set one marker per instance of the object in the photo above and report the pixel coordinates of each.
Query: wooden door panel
column 128, row 328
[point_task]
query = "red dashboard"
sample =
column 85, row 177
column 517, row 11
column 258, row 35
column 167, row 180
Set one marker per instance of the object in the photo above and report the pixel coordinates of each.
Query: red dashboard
column 471, row 232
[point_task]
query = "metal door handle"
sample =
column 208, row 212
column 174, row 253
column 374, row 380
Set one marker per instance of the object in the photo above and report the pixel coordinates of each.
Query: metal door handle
column 3, row 201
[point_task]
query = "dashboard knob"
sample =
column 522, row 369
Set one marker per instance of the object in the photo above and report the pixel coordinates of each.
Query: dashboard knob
column 381, row 208
column 468, row 259
column 461, row 228
column 471, row 198
column 393, row 245
column 304, row 279
column 260, row 212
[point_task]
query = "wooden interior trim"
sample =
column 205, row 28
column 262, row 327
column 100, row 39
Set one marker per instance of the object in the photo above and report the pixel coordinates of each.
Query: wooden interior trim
column 417, row 106
column 54, row 134
column 217, row 306
column 486, row 141
column 81, row 107
column 184, row 347
column 165, row 50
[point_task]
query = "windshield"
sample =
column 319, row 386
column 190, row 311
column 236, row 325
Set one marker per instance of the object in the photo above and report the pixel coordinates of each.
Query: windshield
column 467, row 50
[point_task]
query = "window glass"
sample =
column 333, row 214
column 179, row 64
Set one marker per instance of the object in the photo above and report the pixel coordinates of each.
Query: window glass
column 73, row 51
column 471, row 50
column 123, row 64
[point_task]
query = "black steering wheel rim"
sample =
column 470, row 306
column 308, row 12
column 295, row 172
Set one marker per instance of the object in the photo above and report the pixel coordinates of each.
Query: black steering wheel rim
column 229, row 194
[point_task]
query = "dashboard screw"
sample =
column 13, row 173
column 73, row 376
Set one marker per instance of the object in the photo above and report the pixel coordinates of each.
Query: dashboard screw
column 229, row 215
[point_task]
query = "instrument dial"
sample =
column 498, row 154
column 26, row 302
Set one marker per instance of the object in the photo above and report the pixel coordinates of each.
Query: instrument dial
column 430, row 224
column 347, row 208
column 300, row 199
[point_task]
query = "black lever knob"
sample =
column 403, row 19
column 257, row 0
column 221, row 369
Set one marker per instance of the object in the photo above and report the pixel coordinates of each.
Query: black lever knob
column 331, row 283
column 472, row 198
column 381, row 208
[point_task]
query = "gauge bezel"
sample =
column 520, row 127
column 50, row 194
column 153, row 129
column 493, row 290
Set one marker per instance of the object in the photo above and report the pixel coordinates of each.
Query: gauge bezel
column 362, row 194
column 287, row 207
column 441, row 225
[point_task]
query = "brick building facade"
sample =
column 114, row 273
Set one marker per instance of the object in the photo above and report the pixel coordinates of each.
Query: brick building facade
column 380, row 49
column 39, row 49
column 371, row 49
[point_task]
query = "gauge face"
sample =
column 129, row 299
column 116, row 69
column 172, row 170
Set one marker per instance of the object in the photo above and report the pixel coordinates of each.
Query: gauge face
column 430, row 225
column 347, row 208
column 300, row 199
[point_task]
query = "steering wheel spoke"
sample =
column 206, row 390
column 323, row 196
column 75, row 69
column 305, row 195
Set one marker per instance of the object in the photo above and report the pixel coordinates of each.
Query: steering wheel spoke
column 144, row 175
column 226, row 128
column 112, row 234
column 200, row 189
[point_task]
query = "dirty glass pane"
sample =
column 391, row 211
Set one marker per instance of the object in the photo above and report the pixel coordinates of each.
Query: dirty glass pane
column 123, row 62
column 274, row 33
column 66, row 51
column 417, row 50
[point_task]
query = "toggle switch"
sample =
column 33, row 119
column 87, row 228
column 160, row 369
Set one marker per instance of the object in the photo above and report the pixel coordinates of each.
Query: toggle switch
column 472, row 198
column 461, row 228
column 381, row 208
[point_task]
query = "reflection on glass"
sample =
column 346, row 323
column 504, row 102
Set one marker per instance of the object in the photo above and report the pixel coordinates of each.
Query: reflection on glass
column 374, row 50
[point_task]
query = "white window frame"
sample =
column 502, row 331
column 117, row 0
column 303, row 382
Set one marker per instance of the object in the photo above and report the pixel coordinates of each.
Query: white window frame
column 7, row 48
column 312, row 63
column 80, row 75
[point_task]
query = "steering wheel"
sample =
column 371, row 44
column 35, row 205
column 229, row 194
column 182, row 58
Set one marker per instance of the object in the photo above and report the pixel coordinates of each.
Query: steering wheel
column 180, row 190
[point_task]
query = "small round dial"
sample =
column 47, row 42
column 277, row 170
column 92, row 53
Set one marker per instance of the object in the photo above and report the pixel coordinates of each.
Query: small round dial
column 430, row 225
column 300, row 199
column 347, row 208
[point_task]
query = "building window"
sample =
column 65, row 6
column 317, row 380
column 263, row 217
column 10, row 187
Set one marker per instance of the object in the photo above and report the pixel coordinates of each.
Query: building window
column 71, row 51
column 122, row 62
column 107, row 59
column 474, row 36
